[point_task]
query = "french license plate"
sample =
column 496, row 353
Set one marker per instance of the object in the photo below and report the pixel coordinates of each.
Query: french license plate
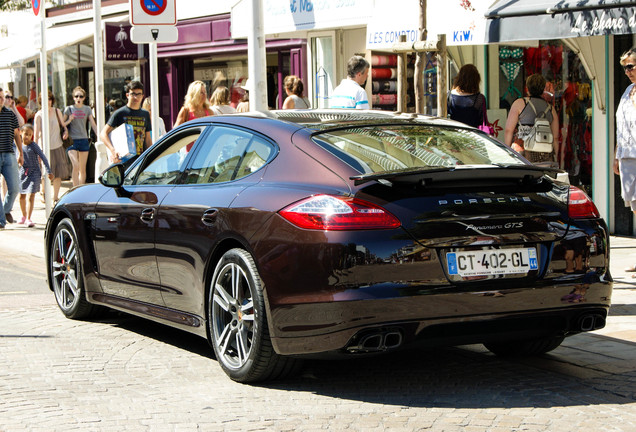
column 492, row 262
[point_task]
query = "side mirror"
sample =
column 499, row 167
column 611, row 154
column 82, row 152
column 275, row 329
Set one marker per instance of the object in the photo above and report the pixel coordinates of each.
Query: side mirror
column 113, row 176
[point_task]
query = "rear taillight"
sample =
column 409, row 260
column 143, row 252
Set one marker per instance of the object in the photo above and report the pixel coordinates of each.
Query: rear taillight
column 580, row 206
column 331, row 213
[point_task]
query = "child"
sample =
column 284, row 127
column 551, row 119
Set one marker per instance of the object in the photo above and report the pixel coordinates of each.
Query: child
column 30, row 173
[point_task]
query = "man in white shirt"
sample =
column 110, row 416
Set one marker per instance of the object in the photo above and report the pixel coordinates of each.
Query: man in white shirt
column 350, row 93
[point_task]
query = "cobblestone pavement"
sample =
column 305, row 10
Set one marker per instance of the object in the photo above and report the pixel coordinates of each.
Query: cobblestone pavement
column 123, row 373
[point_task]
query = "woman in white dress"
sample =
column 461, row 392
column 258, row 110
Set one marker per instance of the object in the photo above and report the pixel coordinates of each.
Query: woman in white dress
column 625, row 157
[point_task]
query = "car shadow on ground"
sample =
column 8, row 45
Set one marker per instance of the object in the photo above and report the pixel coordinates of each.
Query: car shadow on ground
column 459, row 377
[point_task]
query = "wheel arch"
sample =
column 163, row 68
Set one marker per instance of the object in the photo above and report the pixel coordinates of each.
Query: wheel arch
column 221, row 248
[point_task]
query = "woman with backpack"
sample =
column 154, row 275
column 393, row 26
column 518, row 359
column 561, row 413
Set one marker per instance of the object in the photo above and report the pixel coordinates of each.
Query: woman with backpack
column 523, row 116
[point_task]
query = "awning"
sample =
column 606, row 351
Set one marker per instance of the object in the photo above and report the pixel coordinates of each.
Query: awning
column 519, row 20
column 57, row 37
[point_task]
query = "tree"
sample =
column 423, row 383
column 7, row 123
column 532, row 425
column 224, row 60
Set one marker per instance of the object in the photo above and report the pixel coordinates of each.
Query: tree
column 16, row 5
column 11, row 5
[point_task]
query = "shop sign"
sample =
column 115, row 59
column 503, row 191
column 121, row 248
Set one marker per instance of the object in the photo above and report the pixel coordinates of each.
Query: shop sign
column 600, row 22
column 283, row 16
column 520, row 25
column 119, row 47
column 392, row 18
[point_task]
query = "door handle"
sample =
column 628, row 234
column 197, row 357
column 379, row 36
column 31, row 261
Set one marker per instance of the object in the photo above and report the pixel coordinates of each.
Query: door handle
column 147, row 215
column 209, row 217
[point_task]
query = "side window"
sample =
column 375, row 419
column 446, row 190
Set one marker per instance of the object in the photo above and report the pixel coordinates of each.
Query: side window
column 165, row 164
column 228, row 154
column 255, row 157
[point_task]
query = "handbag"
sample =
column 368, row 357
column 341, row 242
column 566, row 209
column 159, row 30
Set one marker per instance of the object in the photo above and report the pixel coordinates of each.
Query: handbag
column 485, row 126
column 66, row 143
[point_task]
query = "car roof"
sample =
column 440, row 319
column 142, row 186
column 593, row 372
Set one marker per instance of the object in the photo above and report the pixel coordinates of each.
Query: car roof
column 321, row 119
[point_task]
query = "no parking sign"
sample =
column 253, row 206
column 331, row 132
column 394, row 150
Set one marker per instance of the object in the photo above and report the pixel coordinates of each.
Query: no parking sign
column 152, row 12
column 35, row 4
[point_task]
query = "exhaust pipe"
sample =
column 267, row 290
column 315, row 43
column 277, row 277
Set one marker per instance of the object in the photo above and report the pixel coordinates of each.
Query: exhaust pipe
column 377, row 341
column 590, row 322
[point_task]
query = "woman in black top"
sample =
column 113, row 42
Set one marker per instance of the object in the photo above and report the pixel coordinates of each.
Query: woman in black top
column 465, row 103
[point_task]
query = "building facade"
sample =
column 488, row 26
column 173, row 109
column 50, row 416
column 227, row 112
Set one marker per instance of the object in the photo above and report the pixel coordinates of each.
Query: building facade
column 314, row 39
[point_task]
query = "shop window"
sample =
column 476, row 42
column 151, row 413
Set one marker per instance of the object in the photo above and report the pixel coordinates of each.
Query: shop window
column 384, row 81
column 231, row 74
column 568, row 89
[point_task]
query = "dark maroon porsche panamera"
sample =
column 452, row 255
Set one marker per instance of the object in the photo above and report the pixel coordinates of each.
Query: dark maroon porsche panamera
column 321, row 232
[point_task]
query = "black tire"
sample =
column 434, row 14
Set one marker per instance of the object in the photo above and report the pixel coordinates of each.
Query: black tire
column 238, row 322
column 525, row 348
column 65, row 273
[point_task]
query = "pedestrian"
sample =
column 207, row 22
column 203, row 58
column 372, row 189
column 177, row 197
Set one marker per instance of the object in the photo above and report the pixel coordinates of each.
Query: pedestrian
column 244, row 104
column 20, row 105
column 625, row 155
column 9, row 133
column 522, row 116
column 195, row 105
column 30, row 173
column 131, row 114
column 162, row 125
column 77, row 118
column 10, row 103
column 220, row 101
column 350, row 93
column 294, row 88
column 57, row 155
column 465, row 102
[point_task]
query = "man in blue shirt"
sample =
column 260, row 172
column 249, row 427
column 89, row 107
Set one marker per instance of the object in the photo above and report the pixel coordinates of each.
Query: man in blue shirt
column 350, row 93
column 9, row 132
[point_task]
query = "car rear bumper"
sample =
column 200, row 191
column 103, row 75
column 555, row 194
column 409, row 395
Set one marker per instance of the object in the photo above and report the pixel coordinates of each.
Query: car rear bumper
column 448, row 319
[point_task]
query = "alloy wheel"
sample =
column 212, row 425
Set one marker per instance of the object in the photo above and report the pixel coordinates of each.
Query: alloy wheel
column 65, row 269
column 233, row 315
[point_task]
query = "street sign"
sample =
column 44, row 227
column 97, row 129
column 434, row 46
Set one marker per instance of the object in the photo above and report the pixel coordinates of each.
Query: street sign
column 35, row 4
column 153, row 12
column 154, row 7
column 154, row 34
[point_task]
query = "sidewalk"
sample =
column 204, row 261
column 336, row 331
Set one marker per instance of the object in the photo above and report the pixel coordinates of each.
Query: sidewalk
column 22, row 238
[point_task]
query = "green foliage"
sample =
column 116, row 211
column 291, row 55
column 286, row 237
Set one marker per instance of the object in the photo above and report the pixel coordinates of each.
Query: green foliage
column 16, row 5
column 11, row 5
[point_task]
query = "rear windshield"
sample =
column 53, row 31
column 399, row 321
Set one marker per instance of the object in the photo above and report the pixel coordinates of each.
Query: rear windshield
column 381, row 148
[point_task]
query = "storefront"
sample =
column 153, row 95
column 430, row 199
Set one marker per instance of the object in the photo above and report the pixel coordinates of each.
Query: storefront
column 207, row 51
column 576, row 47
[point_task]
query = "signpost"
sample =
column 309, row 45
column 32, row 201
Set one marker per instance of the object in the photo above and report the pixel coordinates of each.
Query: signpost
column 44, row 93
column 153, row 22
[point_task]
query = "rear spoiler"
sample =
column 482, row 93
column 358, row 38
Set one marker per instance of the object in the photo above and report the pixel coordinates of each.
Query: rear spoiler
column 427, row 175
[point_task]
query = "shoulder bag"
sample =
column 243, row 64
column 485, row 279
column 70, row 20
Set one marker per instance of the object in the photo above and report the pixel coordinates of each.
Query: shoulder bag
column 66, row 143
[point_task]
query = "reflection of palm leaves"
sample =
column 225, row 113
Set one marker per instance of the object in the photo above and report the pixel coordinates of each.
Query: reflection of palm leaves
column 388, row 148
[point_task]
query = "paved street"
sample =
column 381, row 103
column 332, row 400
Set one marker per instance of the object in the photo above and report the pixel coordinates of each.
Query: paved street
column 124, row 373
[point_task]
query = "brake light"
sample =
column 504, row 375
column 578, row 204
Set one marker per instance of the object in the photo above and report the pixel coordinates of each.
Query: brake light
column 331, row 213
column 580, row 206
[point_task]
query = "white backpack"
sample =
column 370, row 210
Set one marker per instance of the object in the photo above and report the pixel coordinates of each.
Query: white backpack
column 540, row 139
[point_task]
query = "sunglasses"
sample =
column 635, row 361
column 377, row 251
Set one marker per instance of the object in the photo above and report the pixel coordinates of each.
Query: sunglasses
column 79, row 96
column 629, row 67
column 136, row 94
column 8, row 97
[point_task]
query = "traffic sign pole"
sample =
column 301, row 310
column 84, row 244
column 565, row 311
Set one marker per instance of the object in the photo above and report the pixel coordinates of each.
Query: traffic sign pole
column 100, row 102
column 44, row 95
column 153, row 21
